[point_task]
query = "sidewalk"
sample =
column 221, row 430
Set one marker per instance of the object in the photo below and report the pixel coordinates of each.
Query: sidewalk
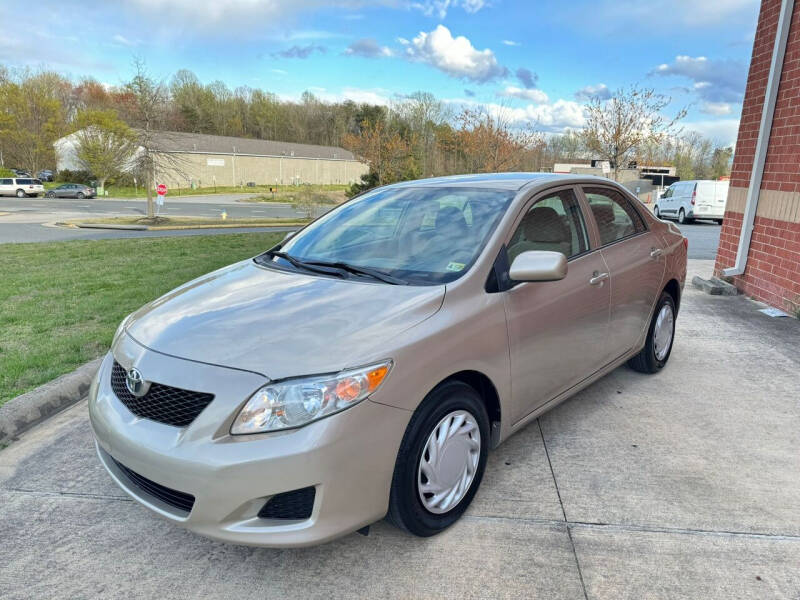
column 679, row 485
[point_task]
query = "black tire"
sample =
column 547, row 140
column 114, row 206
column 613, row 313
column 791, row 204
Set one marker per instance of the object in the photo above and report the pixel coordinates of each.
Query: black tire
column 406, row 510
column 718, row 221
column 81, row 196
column 50, row 194
column 683, row 219
column 657, row 212
column 20, row 193
column 646, row 361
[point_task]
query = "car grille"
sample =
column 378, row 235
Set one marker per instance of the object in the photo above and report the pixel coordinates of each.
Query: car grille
column 162, row 403
column 174, row 498
column 295, row 505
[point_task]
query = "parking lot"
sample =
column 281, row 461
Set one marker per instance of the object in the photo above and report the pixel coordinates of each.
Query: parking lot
column 639, row 487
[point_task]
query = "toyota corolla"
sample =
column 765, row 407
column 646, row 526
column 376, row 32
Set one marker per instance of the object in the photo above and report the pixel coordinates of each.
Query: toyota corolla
column 365, row 366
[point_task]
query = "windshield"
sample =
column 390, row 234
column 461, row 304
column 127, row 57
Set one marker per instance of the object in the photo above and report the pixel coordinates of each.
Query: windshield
column 422, row 235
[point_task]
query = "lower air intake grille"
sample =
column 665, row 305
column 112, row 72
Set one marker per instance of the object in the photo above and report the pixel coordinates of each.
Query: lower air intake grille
column 174, row 498
column 295, row 505
column 162, row 403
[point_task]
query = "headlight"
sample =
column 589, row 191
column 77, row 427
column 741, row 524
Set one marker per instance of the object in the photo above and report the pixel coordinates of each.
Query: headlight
column 120, row 329
column 295, row 402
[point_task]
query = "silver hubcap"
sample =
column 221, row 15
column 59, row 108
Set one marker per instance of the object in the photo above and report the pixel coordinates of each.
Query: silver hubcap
column 662, row 332
column 449, row 462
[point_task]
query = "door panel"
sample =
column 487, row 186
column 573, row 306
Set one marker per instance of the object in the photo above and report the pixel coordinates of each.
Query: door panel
column 557, row 333
column 635, row 262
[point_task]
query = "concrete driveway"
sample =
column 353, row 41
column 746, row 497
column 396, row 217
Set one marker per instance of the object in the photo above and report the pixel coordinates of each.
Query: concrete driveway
column 680, row 485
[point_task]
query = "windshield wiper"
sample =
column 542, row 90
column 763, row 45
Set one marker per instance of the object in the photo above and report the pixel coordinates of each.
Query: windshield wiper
column 368, row 271
column 308, row 266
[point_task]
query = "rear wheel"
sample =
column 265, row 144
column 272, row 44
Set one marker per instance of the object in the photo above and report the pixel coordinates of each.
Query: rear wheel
column 660, row 335
column 50, row 194
column 657, row 212
column 441, row 460
column 682, row 218
column 20, row 193
column 719, row 221
column 81, row 196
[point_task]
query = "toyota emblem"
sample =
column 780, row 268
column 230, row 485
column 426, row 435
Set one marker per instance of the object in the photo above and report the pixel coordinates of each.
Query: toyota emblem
column 136, row 384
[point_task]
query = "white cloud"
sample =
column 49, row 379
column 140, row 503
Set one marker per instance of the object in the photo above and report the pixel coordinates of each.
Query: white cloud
column 716, row 108
column 249, row 14
column 555, row 117
column 121, row 39
column 720, row 131
column 714, row 80
column 511, row 43
column 607, row 16
column 439, row 8
column 403, row 41
column 599, row 91
column 368, row 48
column 532, row 95
column 455, row 56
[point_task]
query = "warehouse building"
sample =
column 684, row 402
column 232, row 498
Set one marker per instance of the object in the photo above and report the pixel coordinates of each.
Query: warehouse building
column 200, row 160
column 759, row 245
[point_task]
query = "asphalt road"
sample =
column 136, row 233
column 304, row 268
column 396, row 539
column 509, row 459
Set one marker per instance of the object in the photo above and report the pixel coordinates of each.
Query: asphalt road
column 678, row 485
column 23, row 223
column 703, row 239
column 201, row 206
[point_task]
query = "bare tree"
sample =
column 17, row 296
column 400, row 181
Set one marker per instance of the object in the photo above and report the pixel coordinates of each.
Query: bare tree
column 616, row 127
column 148, row 110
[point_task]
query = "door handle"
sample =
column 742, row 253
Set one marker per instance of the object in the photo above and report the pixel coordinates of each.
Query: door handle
column 655, row 252
column 598, row 278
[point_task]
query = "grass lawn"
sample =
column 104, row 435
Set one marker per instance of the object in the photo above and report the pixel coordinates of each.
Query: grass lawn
column 282, row 195
column 61, row 302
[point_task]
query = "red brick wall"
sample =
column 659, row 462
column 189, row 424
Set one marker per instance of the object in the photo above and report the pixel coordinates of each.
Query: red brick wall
column 773, row 267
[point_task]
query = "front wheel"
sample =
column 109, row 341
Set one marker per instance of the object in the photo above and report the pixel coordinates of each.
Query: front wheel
column 50, row 194
column 81, row 196
column 718, row 221
column 660, row 336
column 20, row 193
column 441, row 460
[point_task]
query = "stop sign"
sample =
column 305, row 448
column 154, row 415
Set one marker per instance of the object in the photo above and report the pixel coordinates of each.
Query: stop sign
column 161, row 190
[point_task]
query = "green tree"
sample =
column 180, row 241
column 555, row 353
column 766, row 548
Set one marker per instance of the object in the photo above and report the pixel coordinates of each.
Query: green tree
column 105, row 145
column 31, row 118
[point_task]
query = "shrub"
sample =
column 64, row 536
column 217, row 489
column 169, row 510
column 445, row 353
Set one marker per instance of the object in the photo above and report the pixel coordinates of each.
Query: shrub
column 67, row 176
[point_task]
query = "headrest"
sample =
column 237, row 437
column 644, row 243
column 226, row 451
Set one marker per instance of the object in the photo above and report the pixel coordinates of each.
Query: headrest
column 543, row 224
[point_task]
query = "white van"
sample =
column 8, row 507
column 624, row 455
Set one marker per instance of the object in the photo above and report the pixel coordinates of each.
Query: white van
column 690, row 200
column 20, row 187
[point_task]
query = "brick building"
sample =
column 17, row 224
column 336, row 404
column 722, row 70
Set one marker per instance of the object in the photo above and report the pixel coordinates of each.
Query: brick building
column 760, row 240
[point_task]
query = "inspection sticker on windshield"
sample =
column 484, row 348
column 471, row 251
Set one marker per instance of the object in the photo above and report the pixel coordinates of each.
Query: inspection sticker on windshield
column 454, row 266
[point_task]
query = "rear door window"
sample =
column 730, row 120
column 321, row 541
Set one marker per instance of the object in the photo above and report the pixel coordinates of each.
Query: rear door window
column 614, row 214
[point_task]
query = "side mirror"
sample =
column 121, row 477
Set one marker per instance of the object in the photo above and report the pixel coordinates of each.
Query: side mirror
column 538, row 265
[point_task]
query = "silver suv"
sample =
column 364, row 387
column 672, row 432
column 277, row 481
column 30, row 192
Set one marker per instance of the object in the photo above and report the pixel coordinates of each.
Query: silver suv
column 21, row 187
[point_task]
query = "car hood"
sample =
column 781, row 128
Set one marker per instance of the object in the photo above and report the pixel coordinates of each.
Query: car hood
column 281, row 324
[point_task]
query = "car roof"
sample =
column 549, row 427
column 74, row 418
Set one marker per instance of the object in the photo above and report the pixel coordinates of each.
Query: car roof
column 499, row 181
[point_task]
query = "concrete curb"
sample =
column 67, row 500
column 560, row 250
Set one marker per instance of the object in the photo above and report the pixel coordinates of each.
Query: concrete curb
column 111, row 226
column 714, row 286
column 23, row 412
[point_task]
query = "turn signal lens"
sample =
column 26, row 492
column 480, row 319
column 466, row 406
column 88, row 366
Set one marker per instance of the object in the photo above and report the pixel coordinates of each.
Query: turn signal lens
column 297, row 402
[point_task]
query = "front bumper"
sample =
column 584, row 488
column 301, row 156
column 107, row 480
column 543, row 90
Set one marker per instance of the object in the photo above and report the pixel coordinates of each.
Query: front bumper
column 348, row 457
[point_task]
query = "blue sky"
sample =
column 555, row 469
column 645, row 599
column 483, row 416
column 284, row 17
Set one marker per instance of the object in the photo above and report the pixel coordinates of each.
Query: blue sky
column 539, row 60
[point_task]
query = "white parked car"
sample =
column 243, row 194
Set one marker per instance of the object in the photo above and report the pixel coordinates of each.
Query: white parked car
column 20, row 187
column 690, row 200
